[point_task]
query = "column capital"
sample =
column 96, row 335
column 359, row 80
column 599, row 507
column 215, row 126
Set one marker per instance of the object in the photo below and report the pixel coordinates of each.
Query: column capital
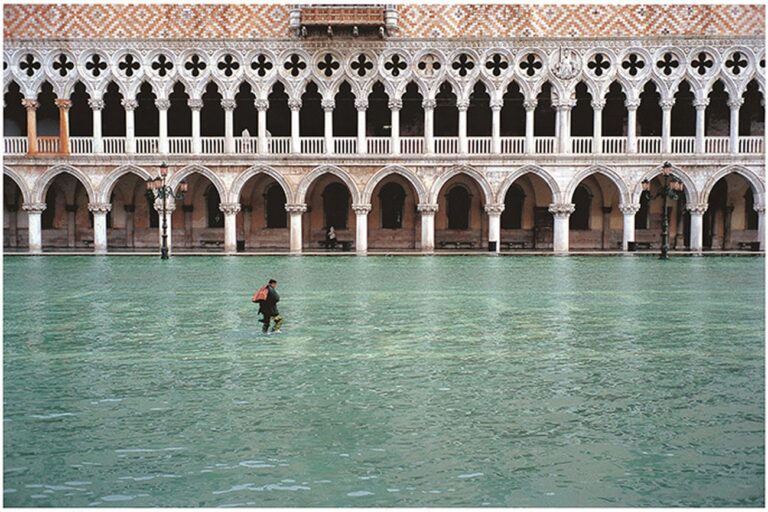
column 328, row 105
column 34, row 207
column 697, row 209
column 262, row 105
column 462, row 105
column 564, row 105
column 361, row 104
column 30, row 103
column 700, row 104
column 530, row 105
column 163, row 103
column 63, row 103
column 229, row 208
column 632, row 104
column 667, row 104
column 598, row 104
column 99, row 207
column 96, row 104
column 629, row 209
column 426, row 208
column 195, row 103
column 759, row 208
column 294, row 104
column 562, row 210
column 496, row 104
column 735, row 103
column 494, row 208
column 428, row 104
column 296, row 208
column 228, row 105
column 395, row 104
column 129, row 104
column 361, row 209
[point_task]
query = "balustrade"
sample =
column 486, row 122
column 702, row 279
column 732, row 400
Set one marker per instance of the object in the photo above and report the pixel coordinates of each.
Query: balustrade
column 513, row 145
column 15, row 145
column 312, row 145
column 246, row 145
column 614, row 145
column 345, row 145
column 545, row 145
column 649, row 145
column 279, row 145
column 412, row 145
column 147, row 145
column 180, row 145
column 379, row 145
column 581, row 145
column 751, row 145
column 716, row 145
column 446, row 145
column 48, row 144
column 682, row 144
column 212, row 145
column 480, row 145
column 114, row 145
column 81, row 145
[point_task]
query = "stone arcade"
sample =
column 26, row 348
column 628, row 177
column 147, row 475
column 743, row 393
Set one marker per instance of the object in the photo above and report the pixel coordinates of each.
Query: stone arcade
column 511, row 127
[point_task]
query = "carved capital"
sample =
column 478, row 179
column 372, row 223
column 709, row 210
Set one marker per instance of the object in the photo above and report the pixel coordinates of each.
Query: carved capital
column 361, row 104
column 294, row 104
column 426, row 208
column 99, row 207
column 667, row 104
column 564, row 105
column 697, row 209
column 632, row 104
column 395, row 104
column 328, row 105
column 96, row 104
column 735, row 103
column 598, row 104
column 700, row 104
column 562, row 210
column 629, row 209
column 129, row 104
column 63, row 103
column 296, row 208
column 494, row 209
column 228, row 105
column 496, row 104
column 428, row 104
column 229, row 208
column 462, row 105
column 34, row 207
column 30, row 103
column 163, row 103
column 759, row 208
column 261, row 104
column 530, row 105
column 195, row 103
column 361, row 209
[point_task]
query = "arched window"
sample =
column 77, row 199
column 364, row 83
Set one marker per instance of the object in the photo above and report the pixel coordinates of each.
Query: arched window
column 275, row 200
column 335, row 205
column 583, row 201
column 749, row 207
column 641, row 217
column 458, row 207
column 212, row 201
column 512, row 216
column 392, row 198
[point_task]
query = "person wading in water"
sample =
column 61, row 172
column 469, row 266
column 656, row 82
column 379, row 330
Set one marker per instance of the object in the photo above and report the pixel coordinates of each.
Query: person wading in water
column 268, row 307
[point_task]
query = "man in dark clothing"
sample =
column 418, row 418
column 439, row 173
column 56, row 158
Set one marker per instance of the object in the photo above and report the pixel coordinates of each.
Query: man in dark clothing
column 268, row 308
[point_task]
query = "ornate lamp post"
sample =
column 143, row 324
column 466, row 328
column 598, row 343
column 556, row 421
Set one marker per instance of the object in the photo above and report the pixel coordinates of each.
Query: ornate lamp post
column 672, row 185
column 157, row 188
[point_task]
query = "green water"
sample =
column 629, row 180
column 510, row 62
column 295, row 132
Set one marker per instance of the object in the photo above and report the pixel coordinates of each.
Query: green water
column 410, row 381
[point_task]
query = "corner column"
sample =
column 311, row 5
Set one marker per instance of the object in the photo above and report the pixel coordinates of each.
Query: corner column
column 361, row 227
column 395, row 106
column 99, row 211
column 628, row 233
column 230, row 226
column 530, row 143
column 130, row 130
column 229, row 137
column 64, row 105
column 163, row 104
column 328, row 106
column 463, row 106
column 97, row 105
column 666, row 125
column 295, row 211
column 735, row 105
column 697, row 225
column 262, row 106
column 295, row 106
column 632, row 106
column 760, row 225
column 597, row 126
column 196, row 105
column 494, row 226
column 429, row 125
column 34, row 214
column 427, row 212
column 561, row 212
column 701, row 107
column 31, row 105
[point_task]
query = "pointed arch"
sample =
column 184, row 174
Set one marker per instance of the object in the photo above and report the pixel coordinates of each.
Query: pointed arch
column 758, row 187
column 243, row 177
column 455, row 171
column 309, row 179
column 108, row 183
column 691, row 191
column 22, row 184
column 542, row 173
column 179, row 175
column 41, row 184
column 597, row 169
column 389, row 170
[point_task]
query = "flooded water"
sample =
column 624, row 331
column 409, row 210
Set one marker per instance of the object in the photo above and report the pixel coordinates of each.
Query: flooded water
column 398, row 381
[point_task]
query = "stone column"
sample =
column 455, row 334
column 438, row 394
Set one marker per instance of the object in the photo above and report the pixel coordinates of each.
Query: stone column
column 632, row 106
column 262, row 106
column 666, row 125
column 496, row 106
column 229, row 136
column 463, row 106
column 597, row 126
column 561, row 212
column 727, row 233
column 701, row 107
column 163, row 104
column 295, row 106
column 31, row 105
column 361, row 227
column 429, row 125
column 697, row 225
column 130, row 131
column 735, row 105
column 129, row 225
column 295, row 211
column 247, row 213
column 99, row 211
column 13, row 224
column 760, row 225
column 628, row 233
column 97, row 105
column 34, row 213
column 170, row 206
column 564, row 111
column 395, row 106
column 494, row 224
column 71, row 224
column 427, row 212
column 196, row 105
column 187, row 209
column 328, row 106
column 230, row 226
column 530, row 142
column 362, row 142
column 606, row 226
column 64, row 105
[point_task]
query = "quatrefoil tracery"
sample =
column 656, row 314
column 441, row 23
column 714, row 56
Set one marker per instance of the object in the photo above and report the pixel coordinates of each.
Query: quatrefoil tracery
column 228, row 65
column 702, row 63
column 195, row 65
column 29, row 64
column 429, row 65
column 531, row 64
column 736, row 63
column 395, row 65
column 463, row 64
column 261, row 65
column 96, row 65
column 328, row 65
column 295, row 65
column 361, row 64
column 162, row 65
column 63, row 65
column 668, row 63
column 633, row 64
column 599, row 64
column 497, row 63
column 129, row 65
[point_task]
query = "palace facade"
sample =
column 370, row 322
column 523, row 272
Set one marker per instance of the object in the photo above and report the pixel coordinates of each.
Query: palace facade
column 407, row 127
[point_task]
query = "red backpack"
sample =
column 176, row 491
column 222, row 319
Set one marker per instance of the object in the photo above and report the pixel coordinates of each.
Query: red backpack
column 261, row 295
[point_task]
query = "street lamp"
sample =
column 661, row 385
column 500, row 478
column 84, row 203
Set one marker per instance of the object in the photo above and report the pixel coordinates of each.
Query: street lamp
column 157, row 188
column 672, row 185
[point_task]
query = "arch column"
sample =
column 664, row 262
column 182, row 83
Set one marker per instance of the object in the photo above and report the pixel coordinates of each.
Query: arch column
column 427, row 212
column 361, row 227
column 597, row 125
column 328, row 106
column 129, row 224
column 735, row 105
column 13, row 224
column 71, row 210
column 295, row 211
column 262, row 106
column 666, row 124
column 362, row 142
column 494, row 225
column 230, row 226
column 697, row 225
column 429, row 125
column 564, row 120
column 130, row 126
column 31, row 104
column 295, row 106
column 99, row 211
column 196, row 105
column 701, row 107
column 34, row 214
column 463, row 106
column 229, row 136
column 163, row 104
column 760, row 225
column 632, row 106
column 395, row 105
column 496, row 106
column 561, row 212
column 97, row 105
column 628, row 233
column 530, row 109
column 64, row 105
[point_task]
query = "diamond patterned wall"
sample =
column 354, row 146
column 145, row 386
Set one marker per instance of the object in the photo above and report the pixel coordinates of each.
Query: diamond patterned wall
column 109, row 21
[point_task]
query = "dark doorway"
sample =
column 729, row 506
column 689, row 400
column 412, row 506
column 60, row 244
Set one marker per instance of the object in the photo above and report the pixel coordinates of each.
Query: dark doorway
column 335, row 205
column 458, row 207
column 276, row 214
column 392, row 198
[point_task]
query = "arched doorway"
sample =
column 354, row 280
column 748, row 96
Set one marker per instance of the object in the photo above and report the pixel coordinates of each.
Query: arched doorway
column 393, row 222
column 133, row 220
column 730, row 222
column 526, row 222
column 263, row 222
column 461, row 221
column 596, row 222
column 329, row 203
column 197, row 221
column 66, row 221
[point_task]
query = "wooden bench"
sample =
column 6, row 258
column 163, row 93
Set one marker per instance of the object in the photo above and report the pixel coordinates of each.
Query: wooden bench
column 638, row 245
column 87, row 242
column 211, row 242
column 342, row 245
column 515, row 245
column 749, row 246
column 457, row 244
